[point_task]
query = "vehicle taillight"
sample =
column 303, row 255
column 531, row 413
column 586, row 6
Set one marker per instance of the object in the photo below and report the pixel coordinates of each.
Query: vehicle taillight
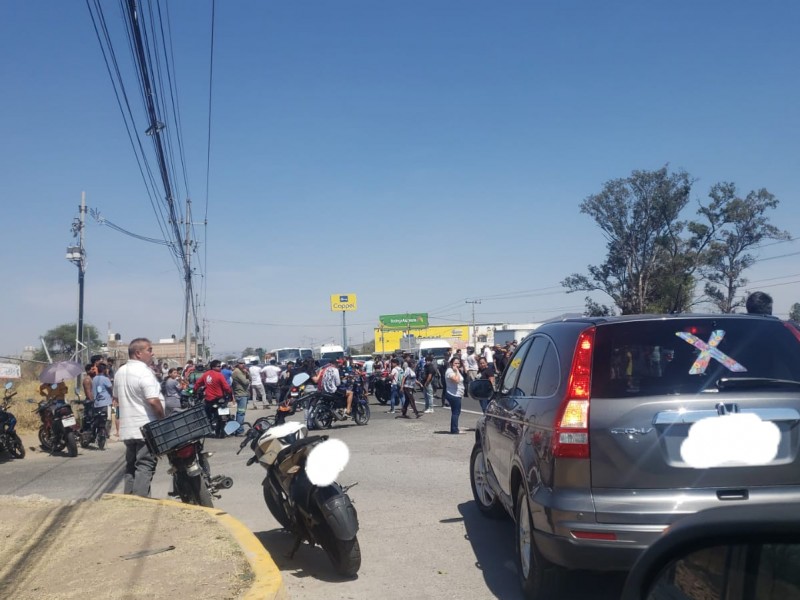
column 185, row 452
column 571, row 434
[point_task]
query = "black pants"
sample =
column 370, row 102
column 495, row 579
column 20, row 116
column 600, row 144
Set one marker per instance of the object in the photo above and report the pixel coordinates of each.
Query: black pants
column 409, row 394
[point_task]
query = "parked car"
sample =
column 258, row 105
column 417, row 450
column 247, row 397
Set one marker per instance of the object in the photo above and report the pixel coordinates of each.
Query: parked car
column 604, row 431
column 749, row 552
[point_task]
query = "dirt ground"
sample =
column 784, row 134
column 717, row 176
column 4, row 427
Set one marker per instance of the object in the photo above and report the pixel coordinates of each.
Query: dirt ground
column 52, row 550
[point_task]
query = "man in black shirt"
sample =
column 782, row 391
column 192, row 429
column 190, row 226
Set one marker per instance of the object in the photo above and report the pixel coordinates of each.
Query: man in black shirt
column 427, row 381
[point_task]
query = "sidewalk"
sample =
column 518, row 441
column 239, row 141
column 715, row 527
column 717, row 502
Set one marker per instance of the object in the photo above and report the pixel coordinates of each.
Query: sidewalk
column 123, row 547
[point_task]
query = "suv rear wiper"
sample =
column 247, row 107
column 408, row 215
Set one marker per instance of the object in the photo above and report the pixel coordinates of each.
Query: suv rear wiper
column 750, row 382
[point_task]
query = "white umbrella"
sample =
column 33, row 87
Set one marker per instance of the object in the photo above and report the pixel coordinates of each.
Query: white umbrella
column 59, row 371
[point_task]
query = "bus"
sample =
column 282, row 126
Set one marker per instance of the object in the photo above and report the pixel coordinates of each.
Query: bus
column 284, row 355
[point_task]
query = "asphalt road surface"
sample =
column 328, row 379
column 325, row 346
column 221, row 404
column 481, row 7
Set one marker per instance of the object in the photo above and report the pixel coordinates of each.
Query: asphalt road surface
column 421, row 535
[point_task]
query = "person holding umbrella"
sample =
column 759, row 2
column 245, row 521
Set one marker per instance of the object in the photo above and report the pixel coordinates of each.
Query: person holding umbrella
column 138, row 395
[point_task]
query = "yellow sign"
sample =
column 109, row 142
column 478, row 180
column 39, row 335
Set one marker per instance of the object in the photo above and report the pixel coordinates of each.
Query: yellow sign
column 343, row 302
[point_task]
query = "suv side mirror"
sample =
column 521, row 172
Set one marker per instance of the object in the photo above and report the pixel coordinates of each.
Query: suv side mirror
column 481, row 389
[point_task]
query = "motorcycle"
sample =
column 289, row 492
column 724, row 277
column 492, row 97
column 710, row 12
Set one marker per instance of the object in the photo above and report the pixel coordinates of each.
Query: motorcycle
column 9, row 440
column 59, row 428
column 301, row 492
column 180, row 436
column 324, row 409
column 382, row 386
column 220, row 416
column 94, row 425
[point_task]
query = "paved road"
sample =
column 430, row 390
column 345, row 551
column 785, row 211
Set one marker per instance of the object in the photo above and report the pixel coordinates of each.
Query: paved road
column 421, row 535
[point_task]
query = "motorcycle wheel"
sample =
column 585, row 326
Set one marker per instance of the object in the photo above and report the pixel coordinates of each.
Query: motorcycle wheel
column 275, row 507
column 101, row 438
column 15, row 448
column 72, row 444
column 193, row 490
column 344, row 554
column 361, row 416
column 323, row 418
column 381, row 396
column 45, row 440
column 84, row 442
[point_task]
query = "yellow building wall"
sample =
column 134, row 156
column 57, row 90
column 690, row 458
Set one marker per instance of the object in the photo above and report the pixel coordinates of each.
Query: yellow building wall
column 388, row 340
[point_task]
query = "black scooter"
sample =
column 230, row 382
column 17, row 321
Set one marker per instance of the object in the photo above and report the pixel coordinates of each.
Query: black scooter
column 301, row 492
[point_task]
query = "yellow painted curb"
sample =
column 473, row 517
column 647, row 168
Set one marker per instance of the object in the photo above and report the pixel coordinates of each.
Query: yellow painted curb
column 268, row 583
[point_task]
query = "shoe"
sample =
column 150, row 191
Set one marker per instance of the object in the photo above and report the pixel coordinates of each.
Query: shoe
column 401, row 416
column 428, row 410
column 419, row 414
column 390, row 412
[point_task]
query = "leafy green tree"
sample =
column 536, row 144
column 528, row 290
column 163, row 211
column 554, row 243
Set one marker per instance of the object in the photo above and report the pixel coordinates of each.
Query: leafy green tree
column 248, row 351
column 742, row 225
column 61, row 342
column 794, row 313
column 637, row 215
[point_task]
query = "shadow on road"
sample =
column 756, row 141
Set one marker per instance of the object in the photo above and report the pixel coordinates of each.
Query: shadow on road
column 308, row 561
column 493, row 544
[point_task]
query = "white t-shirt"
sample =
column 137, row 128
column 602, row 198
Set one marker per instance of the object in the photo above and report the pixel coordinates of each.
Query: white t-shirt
column 331, row 380
column 456, row 389
column 471, row 362
column 369, row 366
column 271, row 373
column 255, row 374
column 488, row 355
column 134, row 382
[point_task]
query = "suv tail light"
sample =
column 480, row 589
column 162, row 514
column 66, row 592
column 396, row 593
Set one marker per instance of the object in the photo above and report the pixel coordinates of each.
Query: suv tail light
column 571, row 435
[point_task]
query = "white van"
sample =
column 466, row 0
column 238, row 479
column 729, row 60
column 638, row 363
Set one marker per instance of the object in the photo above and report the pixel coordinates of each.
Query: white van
column 437, row 347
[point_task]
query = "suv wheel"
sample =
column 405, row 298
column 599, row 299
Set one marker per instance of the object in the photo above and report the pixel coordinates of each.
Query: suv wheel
column 482, row 491
column 539, row 578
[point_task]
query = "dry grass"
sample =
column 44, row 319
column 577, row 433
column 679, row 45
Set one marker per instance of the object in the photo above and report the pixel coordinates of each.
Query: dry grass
column 28, row 389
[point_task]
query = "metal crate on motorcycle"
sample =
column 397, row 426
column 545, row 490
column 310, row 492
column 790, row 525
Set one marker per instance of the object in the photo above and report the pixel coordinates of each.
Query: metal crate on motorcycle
column 165, row 434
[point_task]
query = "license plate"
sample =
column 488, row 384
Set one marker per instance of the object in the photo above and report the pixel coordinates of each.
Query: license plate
column 224, row 411
column 68, row 421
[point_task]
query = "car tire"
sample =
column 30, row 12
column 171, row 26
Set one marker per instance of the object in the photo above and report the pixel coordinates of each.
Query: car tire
column 539, row 578
column 487, row 501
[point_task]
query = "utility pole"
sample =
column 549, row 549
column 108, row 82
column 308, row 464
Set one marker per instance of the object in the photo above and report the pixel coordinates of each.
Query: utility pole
column 77, row 256
column 187, row 341
column 474, row 331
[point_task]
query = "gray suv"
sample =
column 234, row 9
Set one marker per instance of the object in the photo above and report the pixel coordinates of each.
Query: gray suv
column 602, row 432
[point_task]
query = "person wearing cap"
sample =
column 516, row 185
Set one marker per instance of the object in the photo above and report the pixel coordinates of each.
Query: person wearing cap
column 241, row 386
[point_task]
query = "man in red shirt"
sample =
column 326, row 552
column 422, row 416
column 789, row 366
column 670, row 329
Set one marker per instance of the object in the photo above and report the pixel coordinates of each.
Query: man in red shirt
column 216, row 386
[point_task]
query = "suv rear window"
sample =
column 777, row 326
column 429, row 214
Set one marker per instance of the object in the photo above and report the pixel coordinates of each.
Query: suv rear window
column 688, row 356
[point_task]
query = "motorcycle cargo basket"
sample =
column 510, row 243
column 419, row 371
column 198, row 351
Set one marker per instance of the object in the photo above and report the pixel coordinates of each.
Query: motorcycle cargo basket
column 166, row 434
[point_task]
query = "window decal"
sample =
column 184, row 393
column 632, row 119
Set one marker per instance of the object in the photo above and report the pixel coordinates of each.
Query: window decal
column 708, row 351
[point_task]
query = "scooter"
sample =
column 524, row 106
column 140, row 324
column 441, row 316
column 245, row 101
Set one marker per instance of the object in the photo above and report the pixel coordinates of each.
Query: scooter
column 301, row 492
column 9, row 440
column 59, row 428
column 220, row 416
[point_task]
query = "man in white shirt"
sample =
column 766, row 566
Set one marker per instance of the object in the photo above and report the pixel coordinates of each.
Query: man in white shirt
column 271, row 373
column 137, row 392
column 488, row 354
column 256, row 384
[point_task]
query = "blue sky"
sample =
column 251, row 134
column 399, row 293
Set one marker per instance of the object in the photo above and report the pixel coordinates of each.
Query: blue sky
column 416, row 153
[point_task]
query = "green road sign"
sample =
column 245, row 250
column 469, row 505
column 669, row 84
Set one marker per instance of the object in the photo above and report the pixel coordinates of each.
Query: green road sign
column 404, row 321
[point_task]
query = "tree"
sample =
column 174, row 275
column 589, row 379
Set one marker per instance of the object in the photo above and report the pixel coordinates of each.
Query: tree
column 61, row 341
column 794, row 313
column 248, row 351
column 743, row 225
column 638, row 215
column 655, row 260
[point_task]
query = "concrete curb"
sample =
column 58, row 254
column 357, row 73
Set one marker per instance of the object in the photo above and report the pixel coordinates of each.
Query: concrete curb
column 268, row 583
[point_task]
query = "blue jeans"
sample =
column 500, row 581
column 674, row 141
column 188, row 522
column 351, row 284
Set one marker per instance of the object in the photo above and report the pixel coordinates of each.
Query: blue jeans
column 455, row 411
column 429, row 396
column 484, row 404
column 396, row 399
column 241, row 409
